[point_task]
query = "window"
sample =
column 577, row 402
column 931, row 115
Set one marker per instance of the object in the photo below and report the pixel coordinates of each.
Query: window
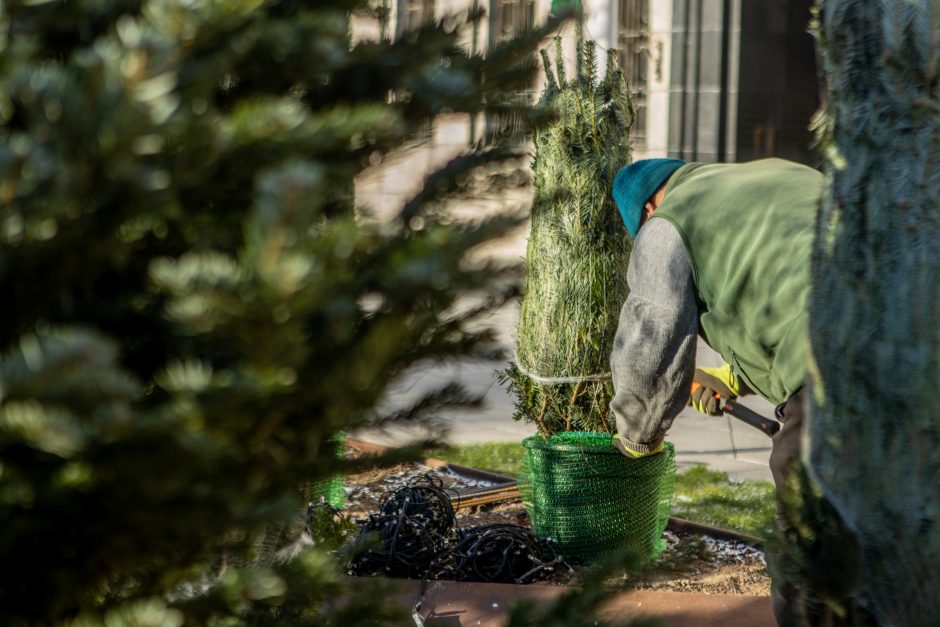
column 633, row 43
column 413, row 14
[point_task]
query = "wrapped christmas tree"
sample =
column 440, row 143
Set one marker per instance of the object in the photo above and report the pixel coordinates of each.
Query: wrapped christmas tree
column 576, row 261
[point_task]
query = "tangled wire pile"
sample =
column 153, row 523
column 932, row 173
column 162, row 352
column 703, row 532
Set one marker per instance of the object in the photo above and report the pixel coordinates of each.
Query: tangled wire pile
column 500, row 553
column 412, row 527
column 415, row 535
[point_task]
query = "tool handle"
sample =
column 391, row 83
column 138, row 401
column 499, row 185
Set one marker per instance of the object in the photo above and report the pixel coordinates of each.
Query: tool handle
column 742, row 413
column 768, row 426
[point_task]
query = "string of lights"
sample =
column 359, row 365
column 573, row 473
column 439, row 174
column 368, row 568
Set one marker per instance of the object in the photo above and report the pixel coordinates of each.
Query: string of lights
column 415, row 534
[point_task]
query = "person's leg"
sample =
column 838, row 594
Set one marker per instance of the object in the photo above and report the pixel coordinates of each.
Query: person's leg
column 785, row 452
column 787, row 441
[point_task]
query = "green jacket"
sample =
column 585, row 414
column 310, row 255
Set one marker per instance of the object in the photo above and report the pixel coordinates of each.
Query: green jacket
column 748, row 229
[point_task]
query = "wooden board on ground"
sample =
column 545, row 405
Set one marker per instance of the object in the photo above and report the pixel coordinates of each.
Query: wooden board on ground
column 453, row 604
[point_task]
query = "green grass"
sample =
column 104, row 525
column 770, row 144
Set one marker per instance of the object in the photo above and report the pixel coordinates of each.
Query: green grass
column 702, row 495
column 504, row 458
column 710, row 497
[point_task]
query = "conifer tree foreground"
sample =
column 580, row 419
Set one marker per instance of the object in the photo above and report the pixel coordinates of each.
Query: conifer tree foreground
column 578, row 248
column 191, row 308
column 875, row 318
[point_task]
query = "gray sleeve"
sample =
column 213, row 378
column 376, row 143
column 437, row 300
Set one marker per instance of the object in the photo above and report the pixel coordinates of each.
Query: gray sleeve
column 653, row 357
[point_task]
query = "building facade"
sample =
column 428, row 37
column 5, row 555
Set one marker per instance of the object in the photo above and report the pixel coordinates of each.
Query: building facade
column 716, row 80
column 713, row 80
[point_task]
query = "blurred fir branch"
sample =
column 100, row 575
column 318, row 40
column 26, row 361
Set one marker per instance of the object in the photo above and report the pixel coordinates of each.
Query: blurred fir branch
column 193, row 305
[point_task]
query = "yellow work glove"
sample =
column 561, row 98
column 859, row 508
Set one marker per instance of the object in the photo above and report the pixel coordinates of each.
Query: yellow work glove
column 708, row 384
column 629, row 452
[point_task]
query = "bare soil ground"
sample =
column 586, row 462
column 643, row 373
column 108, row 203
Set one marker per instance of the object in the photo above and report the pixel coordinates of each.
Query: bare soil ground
column 690, row 563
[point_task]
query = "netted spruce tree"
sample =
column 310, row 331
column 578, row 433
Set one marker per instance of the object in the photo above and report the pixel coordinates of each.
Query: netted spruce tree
column 872, row 548
column 192, row 309
column 576, row 260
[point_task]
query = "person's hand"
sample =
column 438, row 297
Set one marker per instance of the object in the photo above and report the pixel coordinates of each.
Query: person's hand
column 629, row 452
column 711, row 384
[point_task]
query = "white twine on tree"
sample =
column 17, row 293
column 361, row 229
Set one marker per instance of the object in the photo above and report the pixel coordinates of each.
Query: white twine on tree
column 543, row 380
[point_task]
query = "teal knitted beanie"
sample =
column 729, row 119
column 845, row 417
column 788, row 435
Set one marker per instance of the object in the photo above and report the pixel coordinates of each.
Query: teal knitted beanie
column 635, row 183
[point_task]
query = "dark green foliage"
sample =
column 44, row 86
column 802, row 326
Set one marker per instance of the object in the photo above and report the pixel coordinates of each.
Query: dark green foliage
column 192, row 306
column 578, row 249
column 875, row 320
column 329, row 528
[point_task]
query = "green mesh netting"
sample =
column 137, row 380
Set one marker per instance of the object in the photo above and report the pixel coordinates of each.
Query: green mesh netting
column 591, row 500
column 332, row 490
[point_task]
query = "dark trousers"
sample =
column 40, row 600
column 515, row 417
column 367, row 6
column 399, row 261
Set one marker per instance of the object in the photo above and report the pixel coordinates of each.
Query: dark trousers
column 787, row 442
column 786, row 450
